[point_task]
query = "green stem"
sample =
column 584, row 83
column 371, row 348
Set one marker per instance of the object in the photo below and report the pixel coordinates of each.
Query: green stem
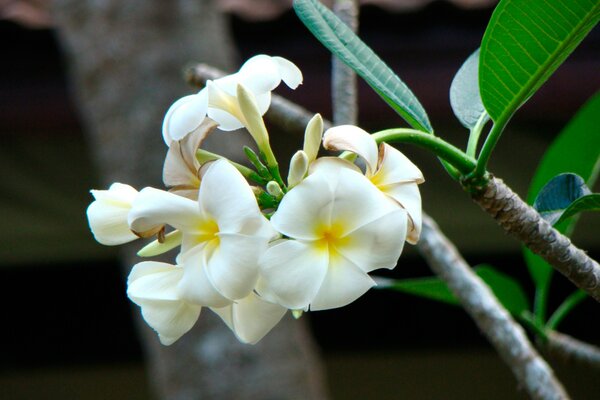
column 541, row 302
column 489, row 145
column 205, row 156
column 565, row 308
column 529, row 320
column 457, row 158
column 475, row 134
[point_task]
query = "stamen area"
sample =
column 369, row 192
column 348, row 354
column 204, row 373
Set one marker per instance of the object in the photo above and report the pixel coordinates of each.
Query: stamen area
column 330, row 236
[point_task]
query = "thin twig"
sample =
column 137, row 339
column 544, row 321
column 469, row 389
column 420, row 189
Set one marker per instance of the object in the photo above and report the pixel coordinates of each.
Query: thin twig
column 523, row 222
column 343, row 78
column 507, row 337
column 570, row 350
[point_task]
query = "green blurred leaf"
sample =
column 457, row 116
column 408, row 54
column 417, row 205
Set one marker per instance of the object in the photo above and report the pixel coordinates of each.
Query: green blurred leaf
column 558, row 194
column 591, row 202
column 577, row 150
column 524, row 43
column 508, row 291
column 464, row 92
column 342, row 42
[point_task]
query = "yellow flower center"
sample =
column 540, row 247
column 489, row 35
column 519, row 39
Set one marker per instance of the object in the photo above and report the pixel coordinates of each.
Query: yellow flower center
column 330, row 236
column 208, row 231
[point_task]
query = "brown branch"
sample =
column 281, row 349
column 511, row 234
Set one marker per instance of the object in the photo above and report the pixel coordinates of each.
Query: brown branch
column 570, row 350
column 507, row 337
column 523, row 222
column 343, row 78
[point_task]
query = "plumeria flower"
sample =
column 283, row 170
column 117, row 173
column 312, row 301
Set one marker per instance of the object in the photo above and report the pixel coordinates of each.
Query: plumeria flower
column 260, row 74
column 387, row 168
column 340, row 227
column 181, row 170
column 223, row 234
column 107, row 215
column 156, row 288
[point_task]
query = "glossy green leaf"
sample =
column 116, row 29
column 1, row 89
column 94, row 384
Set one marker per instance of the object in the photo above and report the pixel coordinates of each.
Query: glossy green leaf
column 344, row 43
column 508, row 291
column 577, row 150
column 524, row 43
column 591, row 202
column 464, row 92
column 558, row 194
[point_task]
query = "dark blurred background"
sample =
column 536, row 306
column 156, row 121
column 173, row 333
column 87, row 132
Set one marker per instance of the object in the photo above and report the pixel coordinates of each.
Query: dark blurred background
column 67, row 329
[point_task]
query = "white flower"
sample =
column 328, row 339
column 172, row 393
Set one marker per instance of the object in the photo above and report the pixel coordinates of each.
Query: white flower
column 223, row 234
column 107, row 215
column 387, row 168
column 260, row 74
column 340, row 227
column 154, row 286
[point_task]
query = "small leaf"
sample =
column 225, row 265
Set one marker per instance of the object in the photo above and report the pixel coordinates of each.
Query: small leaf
column 342, row 42
column 558, row 194
column 578, row 140
column 464, row 92
column 508, row 291
column 524, row 43
column 590, row 202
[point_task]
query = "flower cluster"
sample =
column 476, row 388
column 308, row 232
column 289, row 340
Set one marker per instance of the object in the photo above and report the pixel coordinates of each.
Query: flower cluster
column 251, row 251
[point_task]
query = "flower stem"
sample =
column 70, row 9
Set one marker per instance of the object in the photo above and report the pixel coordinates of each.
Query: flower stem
column 475, row 134
column 489, row 145
column 454, row 156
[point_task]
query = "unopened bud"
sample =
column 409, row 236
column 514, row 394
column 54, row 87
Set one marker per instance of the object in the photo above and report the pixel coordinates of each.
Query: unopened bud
column 298, row 168
column 274, row 189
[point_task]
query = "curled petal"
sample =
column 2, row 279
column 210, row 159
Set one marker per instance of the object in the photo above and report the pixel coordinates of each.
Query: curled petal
column 331, row 165
column 292, row 273
column 408, row 196
column 185, row 115
column 395, row 167
column 153, row 287
column 290, row 73
column 153, row 208
column 251, row 318
column 224, row 107
column 107, row 215
column 343, row 283
column 352, row 138
column 260, row 74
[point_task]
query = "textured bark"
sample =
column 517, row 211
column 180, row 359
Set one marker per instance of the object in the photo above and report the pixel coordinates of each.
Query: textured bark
column 126, row 59
column 509, row 339
column 343, row 78
column 570, row 350
column 523, row 222
column 286, row 115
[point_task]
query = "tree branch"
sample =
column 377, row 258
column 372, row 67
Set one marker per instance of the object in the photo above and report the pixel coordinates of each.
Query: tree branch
column 523, row 222
column 570, row 350
column 343, row 78
column 507, row 337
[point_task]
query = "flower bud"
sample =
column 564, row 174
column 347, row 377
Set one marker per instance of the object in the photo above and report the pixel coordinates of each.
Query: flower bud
column 298, row 168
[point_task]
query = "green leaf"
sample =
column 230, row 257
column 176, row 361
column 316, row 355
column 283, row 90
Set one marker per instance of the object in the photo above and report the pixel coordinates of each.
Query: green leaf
column 558, row 194
column 591, row 202
column 464, row 92
column 508, row 291
column 342, row 42
column 577, row 150
column 524, row 43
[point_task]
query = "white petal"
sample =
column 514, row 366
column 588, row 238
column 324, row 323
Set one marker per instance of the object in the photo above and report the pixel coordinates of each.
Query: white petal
column 155, row 207
column 223, row 107
column 196, row 286
column 251, row 318
column 233, row 266
column 304, row 207
column 408, row 196
column 290, row 73
column 377, row 244
column 354, row 139
column 153, row 286
column 107, row 215
column 357, row 201
column 331, row 165
column 260, row 74
column 344, row 283
column 226, row 196
column 185, row 115
column 292, row 273
column 395, row 167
